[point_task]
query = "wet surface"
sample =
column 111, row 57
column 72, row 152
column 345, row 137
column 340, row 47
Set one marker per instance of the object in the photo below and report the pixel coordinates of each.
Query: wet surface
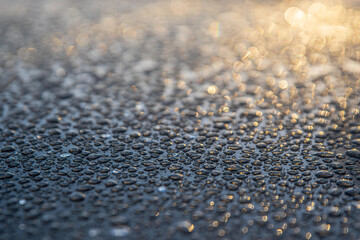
column 179, row 120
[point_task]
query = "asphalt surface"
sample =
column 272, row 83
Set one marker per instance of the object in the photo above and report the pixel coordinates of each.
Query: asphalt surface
column 179, row 120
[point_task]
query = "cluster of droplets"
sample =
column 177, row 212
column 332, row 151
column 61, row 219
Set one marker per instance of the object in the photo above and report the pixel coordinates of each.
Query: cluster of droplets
column 177, row 118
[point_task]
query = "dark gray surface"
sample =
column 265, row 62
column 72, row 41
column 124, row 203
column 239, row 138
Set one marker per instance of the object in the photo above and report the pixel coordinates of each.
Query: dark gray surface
column 129, row 144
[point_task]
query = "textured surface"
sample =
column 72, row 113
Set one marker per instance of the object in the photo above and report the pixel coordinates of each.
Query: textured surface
column 179, row 120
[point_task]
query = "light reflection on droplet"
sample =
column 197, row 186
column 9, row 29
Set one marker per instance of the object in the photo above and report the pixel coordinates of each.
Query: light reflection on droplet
column 283, row 84
column 294, row 16
column 212, row 89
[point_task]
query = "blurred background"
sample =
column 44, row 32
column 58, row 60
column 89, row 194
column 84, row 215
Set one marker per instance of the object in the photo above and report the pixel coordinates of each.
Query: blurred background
column 294, row 34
